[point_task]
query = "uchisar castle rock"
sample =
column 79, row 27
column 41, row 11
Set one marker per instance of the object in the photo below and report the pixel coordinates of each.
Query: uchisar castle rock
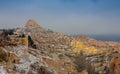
column 36, row 50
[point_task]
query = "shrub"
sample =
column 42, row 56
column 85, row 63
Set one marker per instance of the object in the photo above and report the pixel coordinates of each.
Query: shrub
column 83, row 64
column 80, row 62
column 3, row 55
column 30, row 41
column 8, row 32
column 43, row 70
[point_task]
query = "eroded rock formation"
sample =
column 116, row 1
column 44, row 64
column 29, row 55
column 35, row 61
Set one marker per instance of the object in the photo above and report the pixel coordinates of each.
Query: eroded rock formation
column 31, row 23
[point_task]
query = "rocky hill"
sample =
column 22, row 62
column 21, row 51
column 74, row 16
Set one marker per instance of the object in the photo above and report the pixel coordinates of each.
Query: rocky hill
column 36, row 50
column 46, row 39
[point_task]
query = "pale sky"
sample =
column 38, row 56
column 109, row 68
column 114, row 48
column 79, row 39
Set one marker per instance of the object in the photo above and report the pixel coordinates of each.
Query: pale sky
column 66, row 16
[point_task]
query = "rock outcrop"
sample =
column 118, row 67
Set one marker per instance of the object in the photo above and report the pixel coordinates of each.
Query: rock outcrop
column 31, row 23
column 20, row 61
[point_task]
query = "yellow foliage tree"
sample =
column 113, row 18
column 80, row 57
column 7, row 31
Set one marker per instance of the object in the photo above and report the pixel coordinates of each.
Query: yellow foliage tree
column 24, row 41
column 92, row 50
column 78, row 46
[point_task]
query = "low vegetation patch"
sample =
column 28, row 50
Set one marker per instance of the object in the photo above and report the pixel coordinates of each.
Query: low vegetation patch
column 83, row 64
column 3, row 55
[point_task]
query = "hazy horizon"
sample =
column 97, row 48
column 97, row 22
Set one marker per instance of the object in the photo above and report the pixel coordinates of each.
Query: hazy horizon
column 94, row 17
